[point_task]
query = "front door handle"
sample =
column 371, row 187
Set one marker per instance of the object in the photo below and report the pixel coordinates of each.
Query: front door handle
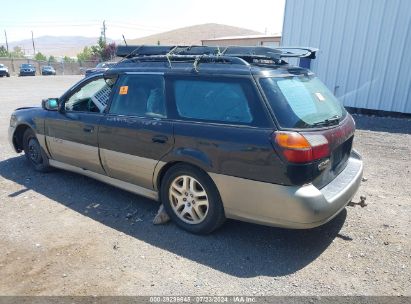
column 161, row 139
column 88, row 129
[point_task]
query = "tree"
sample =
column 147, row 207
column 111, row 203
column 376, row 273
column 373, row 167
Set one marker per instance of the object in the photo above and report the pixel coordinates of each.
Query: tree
column 17, row 52
column 67, row 59
column 109, row 52
column 3, row 52
column 104, row 51
column 40, row 57
column 52, row 59
column 101, row 51
column 85, row 55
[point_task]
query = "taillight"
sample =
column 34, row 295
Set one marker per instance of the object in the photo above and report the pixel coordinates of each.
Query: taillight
column 298, row 148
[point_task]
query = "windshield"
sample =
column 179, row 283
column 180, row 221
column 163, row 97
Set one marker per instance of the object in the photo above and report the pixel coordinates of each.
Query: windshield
column 301, row 102
column 1, row 65
column 25, row 65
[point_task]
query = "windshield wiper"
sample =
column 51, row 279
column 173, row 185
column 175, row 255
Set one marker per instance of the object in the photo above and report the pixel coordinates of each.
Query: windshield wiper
column 333, row 120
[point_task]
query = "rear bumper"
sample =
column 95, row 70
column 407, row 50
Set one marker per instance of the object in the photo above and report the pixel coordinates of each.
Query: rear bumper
column 289, row 206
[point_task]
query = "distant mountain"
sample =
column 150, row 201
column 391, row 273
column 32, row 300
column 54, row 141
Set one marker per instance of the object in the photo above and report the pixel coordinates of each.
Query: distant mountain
column 193, row 34
column 57, row 46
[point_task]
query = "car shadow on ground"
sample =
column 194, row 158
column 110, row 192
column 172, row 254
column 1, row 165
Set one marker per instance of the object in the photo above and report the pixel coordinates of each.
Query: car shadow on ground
column 238, row 249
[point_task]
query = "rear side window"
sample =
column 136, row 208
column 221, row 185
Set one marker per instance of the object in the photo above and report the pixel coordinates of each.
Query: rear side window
column 216, row 101
column 139, row 95
column 301, row 101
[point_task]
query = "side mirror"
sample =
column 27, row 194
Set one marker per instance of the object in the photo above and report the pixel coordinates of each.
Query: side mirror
column 50, row 104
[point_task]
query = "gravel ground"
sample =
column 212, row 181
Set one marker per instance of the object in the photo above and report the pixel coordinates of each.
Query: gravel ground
column 65, row 234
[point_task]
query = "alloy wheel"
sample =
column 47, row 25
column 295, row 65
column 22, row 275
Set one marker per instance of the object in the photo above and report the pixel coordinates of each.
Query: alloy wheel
column 188, row 199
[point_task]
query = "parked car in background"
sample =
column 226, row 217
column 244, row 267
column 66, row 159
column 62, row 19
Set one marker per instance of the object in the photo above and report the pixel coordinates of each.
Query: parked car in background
column 101, row 67
column 48, row 70
column 239, row 134
column 4, row 71
column 27, row 69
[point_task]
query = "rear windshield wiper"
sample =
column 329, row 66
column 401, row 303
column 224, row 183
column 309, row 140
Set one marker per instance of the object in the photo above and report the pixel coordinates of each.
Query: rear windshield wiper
column 333, row 120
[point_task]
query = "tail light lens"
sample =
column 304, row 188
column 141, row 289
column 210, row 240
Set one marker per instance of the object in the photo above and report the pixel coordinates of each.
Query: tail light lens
column 298, row 148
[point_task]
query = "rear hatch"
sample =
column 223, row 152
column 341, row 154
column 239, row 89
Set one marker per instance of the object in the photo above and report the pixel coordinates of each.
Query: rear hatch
column 315, row 130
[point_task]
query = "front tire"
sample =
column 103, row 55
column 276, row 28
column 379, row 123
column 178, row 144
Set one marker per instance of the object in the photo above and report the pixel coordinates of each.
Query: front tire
column 191, row 199
column 34, row 153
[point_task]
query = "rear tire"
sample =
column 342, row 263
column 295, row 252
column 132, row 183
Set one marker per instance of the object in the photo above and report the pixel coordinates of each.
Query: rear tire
column 191, row 199
column 34, row 152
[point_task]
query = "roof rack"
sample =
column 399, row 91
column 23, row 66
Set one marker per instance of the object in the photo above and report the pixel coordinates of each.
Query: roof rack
column 245, row 52
column 197, row 54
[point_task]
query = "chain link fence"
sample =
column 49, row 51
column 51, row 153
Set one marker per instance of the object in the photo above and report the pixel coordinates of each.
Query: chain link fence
column 62, row 68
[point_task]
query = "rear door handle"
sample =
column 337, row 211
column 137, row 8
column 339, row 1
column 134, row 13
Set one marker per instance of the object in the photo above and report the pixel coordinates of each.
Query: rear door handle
column 88, row 129
column 161, row 139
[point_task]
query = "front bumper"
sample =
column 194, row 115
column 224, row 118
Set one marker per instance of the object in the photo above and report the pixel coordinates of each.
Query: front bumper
column 297, row 207
column 11, row 137
column 48, row 73
column 4, row 73
column 27, row 73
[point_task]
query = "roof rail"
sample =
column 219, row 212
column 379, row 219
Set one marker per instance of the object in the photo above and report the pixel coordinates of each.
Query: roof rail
column 246, row 52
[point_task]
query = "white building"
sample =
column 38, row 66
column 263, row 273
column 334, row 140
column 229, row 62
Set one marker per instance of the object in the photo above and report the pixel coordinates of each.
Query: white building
column 365, row 48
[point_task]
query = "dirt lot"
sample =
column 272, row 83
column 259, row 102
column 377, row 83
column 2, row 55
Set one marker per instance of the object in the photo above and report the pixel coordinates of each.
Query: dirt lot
column 65, row 234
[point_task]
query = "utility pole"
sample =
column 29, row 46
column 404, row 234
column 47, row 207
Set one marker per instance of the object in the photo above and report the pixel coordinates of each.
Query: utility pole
column 7, row 43
column 104, row 31
column 32, row 40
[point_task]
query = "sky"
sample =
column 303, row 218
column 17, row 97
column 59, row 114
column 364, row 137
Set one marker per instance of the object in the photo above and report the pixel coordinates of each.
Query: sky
column 133, row 18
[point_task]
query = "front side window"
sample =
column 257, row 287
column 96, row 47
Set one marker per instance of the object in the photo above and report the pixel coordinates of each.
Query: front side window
column 212, row 100
column 301, row 101
column 140, row 95
column 92, row 97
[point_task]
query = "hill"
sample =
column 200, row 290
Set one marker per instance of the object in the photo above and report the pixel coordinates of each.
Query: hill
column 193, row 34
column 55, row 45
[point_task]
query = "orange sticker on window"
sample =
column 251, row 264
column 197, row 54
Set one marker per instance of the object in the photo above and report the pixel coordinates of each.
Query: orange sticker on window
column 123, row 90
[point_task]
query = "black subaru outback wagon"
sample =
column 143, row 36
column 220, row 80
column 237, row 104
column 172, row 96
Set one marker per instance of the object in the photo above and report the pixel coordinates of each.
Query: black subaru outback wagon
column 213, row 134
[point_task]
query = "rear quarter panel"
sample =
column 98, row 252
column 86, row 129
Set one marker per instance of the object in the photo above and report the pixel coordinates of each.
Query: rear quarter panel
column 230, row 150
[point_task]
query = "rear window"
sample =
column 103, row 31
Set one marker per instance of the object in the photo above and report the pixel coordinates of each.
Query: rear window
column 301, row 101
column 218, row 101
